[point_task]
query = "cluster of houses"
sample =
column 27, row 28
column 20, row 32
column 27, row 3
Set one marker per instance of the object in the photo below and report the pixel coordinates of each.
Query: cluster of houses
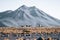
column 29, row 33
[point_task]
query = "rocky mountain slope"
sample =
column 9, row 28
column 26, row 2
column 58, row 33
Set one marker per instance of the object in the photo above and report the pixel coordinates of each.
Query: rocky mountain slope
column 27, row 16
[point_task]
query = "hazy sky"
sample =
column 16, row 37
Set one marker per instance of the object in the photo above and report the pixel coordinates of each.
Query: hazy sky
column 51, row 7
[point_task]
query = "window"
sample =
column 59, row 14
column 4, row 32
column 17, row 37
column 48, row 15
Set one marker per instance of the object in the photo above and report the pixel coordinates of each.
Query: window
column 27, row 34
column 4, row 35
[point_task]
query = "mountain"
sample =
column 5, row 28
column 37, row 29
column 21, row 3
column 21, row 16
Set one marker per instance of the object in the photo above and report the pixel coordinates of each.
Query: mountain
column 27, row 16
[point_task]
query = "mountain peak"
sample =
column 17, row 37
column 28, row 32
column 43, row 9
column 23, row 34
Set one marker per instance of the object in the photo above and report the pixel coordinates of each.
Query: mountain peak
column 24, row 7
column 33, row 7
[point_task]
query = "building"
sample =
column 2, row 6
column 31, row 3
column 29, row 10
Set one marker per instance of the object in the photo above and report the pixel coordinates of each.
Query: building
column 29, row 33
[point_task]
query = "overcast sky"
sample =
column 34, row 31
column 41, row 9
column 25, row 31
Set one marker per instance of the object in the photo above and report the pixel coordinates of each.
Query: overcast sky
column 51, row 7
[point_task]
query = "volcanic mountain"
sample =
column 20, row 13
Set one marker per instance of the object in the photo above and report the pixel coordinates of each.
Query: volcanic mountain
column 27, row 16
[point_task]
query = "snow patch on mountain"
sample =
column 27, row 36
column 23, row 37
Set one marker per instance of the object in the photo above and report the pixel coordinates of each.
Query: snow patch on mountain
column 27, row 16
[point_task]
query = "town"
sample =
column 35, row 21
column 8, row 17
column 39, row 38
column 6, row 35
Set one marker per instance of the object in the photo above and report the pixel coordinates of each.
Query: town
column 29, row 33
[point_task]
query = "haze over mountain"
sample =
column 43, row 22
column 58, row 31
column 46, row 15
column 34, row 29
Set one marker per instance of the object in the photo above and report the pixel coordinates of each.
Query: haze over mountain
column 27, row 16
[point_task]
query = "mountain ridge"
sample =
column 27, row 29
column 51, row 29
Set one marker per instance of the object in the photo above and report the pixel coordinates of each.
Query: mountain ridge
column 27, row 16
